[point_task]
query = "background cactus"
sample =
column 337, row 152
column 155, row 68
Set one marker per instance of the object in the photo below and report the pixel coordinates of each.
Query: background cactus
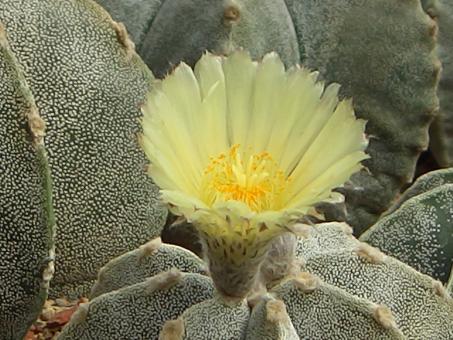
column 441, row 134
column 419, row 233
column 388, row 68
column 88, row 84
column 26, row 218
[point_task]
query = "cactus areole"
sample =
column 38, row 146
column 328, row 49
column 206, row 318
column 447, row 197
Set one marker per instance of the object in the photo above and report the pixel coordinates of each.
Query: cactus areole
column 243, row 150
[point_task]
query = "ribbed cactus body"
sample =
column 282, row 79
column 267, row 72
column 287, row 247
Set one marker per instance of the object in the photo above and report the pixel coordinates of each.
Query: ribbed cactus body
column 88, row 84
column 346, row 290
column 148, row 260
column 420, row 232
column 26, row 216
column 441, row 133
column 138, row 311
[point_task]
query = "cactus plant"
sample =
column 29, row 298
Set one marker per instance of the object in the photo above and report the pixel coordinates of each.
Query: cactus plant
column 424, row 183
column 367, row 273
column 351, row 291
column 138, row 311
column 226, row 321
column 441, row 133
column 320, row 310
column 146, row 261
column 388, row 68
column 88, row 84
column 26, row 219
column 420, row 232
column 270, row 321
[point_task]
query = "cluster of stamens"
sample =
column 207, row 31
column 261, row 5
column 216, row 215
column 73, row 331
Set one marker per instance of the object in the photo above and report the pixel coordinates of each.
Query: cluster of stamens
column 257, row 181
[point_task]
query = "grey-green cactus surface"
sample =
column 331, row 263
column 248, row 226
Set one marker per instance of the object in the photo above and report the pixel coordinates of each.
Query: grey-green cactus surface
column 138, row 311
column 389, row 67
column 270, row 321
column 347, row 290
column 225, row 322
column 88, row 85
column 424, row 183
column 26, row 216
column 319, row 310
column 419, row 233
column 441, row 134
column 148, row 260
column 419, row 304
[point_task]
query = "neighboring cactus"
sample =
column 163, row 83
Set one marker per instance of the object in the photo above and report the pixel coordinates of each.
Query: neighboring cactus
column 26, row 218
column 138, row 311
column 441, row 133
column 88, row 84
column 146, row 261
column 424, row 183
column 183, row 30
column 388, row 67
column 367, row 273
column 419, row 233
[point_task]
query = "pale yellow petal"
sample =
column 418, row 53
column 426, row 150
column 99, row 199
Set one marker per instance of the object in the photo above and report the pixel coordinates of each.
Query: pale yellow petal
column 270, row 85
column 164, row 126
column 305, row 135
column 342, row 134
column 333, row 177
column 240, row 74
column 212, row 115
column 298, row 101
column 181, row 203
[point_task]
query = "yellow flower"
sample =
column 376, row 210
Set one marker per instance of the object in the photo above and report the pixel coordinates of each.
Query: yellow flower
column 244, row 149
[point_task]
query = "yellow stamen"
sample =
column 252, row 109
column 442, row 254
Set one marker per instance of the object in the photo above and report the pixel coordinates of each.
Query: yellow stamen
column 257, row 181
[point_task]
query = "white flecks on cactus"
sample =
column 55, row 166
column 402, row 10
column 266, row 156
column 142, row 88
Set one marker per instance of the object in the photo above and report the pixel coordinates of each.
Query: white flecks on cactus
column 270, row 321
column 148, row 260
column 419, row 232
column 88, row 85
column 27, row 223
column 139, row 311
column 213, row 319
column 327, row 312
column 366, row 273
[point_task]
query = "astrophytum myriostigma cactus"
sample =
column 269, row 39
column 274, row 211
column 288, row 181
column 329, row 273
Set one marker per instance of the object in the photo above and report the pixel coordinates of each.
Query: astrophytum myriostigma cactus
column 381, row 52
column 441, row 133
column 88, row 85
column 419, row 229
column 26, row 217
column 345, row 289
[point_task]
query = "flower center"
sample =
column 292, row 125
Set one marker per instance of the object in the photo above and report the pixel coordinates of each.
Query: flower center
column 257, row 181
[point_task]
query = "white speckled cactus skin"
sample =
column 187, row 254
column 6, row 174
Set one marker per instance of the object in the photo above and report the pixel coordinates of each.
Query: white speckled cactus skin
column 420, row 232
column 441, row 132
column 345, row 289
column 26, row 217
column 88, row 84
